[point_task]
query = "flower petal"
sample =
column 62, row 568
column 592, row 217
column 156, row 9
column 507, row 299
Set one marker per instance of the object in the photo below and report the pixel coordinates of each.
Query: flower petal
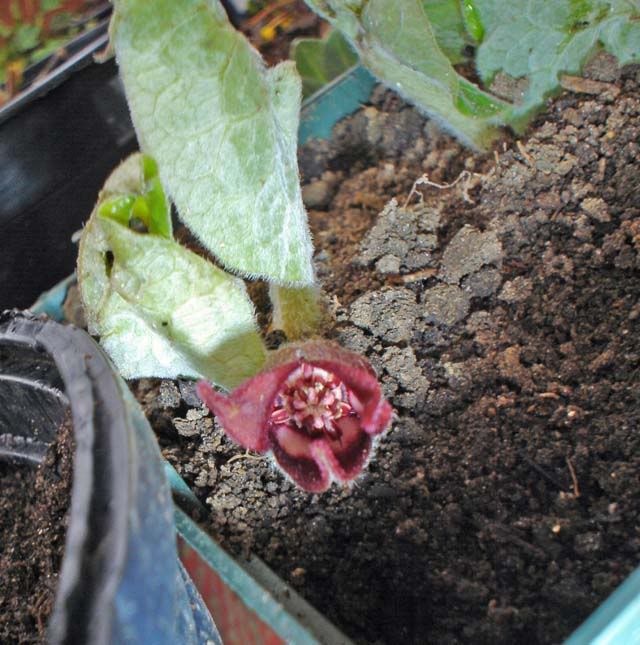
column 345, row 458
column 294, row 454
column 312, row 463
column 352, row 369
column 244, row 414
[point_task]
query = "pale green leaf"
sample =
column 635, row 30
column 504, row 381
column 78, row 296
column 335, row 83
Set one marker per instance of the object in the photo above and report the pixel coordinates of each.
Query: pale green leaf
column 223, row 129
column 396, row 42
column 541, row 40
column 621, row 33
column 448, row 27
column 159, row 309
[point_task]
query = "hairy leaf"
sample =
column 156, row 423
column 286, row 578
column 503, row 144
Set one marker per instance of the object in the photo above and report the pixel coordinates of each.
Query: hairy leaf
column 320, row 60
column 223, row 129
column 395, row 40
column 159, row 309
column 539, row 40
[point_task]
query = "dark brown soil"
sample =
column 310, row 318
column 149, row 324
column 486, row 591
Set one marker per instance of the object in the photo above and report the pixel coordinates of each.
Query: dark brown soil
column 277, row 24
column 502, row 315
column 33, row 520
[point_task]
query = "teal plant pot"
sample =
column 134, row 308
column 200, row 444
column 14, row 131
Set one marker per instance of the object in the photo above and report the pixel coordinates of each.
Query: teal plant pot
column 249, row 603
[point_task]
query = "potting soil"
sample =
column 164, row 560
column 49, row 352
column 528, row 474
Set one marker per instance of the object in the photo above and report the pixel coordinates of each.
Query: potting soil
column 33, row 520
column 500, row 304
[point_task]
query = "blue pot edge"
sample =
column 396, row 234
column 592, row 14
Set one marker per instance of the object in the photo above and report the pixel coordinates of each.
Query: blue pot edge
column 336, row 100
column 275, row 602
column 616, row 620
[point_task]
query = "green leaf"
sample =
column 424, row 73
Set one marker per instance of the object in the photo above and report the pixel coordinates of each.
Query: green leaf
column 396, row 42
column 540, row 40
column 50, row 5
column 448, row 27
column 223, row 129
column 319, row 61
column 118, row 208
column 148, row 210
column 25, row 38
column 471, row 19
column 620, row 35
column 159, row 309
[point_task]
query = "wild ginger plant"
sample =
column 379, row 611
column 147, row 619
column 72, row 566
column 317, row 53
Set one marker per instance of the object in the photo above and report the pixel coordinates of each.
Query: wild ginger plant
column 223, row 130
column 219, row 132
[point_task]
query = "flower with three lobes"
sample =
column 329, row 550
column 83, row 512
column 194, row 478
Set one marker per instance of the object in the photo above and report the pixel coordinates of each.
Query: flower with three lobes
column 316, row 407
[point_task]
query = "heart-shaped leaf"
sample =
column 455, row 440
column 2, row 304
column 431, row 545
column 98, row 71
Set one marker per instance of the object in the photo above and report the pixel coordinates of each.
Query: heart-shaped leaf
column 539, row 40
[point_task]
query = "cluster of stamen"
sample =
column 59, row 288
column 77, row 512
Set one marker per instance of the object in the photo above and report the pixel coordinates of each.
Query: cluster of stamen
column 312, row 400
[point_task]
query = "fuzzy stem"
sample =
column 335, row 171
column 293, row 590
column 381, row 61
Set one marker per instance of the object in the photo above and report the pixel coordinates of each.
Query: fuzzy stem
column 296, row 311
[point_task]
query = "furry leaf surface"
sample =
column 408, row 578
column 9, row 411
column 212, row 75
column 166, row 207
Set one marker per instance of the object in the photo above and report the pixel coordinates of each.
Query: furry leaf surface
column 159, row 309
column 223, row 129
column 396, row 41
column 539, row 40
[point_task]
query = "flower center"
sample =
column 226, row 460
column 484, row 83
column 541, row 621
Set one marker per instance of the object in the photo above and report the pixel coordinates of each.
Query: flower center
column 312, row 400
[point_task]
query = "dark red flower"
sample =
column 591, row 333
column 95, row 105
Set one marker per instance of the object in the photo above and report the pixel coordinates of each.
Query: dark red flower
column 316, row 407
